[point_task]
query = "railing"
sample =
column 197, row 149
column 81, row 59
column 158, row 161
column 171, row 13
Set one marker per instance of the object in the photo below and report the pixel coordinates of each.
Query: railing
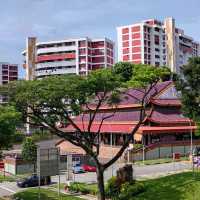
column 171, row 143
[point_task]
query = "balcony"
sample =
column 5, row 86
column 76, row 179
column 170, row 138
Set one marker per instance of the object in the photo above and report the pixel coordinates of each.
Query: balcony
column 56, row 49
column 56, row 72
column 44, row 58
column 55, row 64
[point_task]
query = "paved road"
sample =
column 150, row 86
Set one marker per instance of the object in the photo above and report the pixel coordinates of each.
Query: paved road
column 146, row 171
column 8, row 188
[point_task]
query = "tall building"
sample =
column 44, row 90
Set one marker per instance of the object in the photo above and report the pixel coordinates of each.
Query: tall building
column 156, row 43
column 8, row 72
column 71, row 56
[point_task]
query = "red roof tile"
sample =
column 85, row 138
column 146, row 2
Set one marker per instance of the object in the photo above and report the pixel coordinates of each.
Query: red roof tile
column 166, row 102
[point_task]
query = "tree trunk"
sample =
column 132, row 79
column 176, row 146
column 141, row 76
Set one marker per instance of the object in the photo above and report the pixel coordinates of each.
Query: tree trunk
column 100, row 180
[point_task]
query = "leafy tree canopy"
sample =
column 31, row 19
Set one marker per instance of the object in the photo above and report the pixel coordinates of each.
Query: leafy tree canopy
column 189, row 85
column 9, row 118
column 124, row 69
column 29, row 150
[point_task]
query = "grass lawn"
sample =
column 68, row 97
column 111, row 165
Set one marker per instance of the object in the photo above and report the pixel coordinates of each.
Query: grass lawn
column 174, row 187
column 32, row 194
column 7, row 178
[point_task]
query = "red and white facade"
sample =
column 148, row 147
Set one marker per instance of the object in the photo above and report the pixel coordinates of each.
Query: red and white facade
column 156, row 43
column 8, row 72
column 73, row 56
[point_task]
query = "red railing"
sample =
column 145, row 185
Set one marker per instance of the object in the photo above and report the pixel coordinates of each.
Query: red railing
column 56, row 57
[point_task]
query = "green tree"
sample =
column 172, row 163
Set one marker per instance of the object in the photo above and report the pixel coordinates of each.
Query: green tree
column 189, row 86
column 9, row 118
column 29, row 151
column 51, row 100
column 124, row 69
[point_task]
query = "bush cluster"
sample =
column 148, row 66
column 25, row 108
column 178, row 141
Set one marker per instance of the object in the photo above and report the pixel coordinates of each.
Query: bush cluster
column 83, row 188
column 113, row 190
column 125, row 191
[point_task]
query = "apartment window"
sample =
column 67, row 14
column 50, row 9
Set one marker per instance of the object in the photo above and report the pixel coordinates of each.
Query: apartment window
column 157, row 49
column 4, row 66
column 163, row 37
column 98, row 59
column 126, row 51
column 157, row 64
column 82, row 43
column 135, row 29
column 82, row 51
column 164, row 50
column 149, row 50
column 157, row 56
column 149, row 57
column 125, row 30
column 126, row 58
column 156, row 39
column 125, row 37
column 125, row 44
column 156, row 29
column 149, row 43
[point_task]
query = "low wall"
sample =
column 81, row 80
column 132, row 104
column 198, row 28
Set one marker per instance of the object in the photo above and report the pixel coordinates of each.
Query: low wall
column 160, row 152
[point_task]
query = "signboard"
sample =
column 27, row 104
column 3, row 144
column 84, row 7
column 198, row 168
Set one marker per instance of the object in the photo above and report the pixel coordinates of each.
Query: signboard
column 48, row 161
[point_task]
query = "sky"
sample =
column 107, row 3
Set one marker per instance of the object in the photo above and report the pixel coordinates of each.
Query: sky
column 62, row 19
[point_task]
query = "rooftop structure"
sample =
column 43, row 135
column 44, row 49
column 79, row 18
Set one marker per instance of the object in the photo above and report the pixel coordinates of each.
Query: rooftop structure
column 8, row 72
column 156, row 43
column 71, row 56
column 164, row 122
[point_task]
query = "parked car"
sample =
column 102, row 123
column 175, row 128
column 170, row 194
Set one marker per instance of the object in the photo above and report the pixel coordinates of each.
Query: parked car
column 89, row 168
column 77, row 169
column 33, row 181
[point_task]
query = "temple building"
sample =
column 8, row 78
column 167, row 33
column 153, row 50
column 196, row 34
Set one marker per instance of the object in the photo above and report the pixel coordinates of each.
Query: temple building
column 163, row 123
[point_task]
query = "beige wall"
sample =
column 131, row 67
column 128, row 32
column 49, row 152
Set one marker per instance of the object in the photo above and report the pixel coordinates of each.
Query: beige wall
column 30, row 58
column 170, row 43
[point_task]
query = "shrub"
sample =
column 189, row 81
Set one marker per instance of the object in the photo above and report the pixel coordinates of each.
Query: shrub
column 112, row 188
column 79, row 187
column 129, row 190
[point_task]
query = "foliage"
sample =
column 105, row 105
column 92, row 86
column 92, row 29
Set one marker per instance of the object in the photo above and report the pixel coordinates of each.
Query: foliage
column 144, row 75
column 182, row 186
column 124, row 69
column 189, row 86
column 9, row 118
column 129, row 190
column 46, row 194
column 29, row 150
column 79, row 187
column 112, row 188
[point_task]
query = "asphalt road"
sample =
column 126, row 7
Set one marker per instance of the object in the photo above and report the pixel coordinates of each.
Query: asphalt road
column 8, row 188
column 139, row 172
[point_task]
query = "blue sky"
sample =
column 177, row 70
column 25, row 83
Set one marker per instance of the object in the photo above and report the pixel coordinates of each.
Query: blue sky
column 60, row 19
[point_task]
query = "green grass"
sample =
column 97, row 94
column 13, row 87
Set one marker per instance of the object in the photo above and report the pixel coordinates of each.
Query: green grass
column 181, row 186
column 7, row 178
column 32, row 194
column 158, row 161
